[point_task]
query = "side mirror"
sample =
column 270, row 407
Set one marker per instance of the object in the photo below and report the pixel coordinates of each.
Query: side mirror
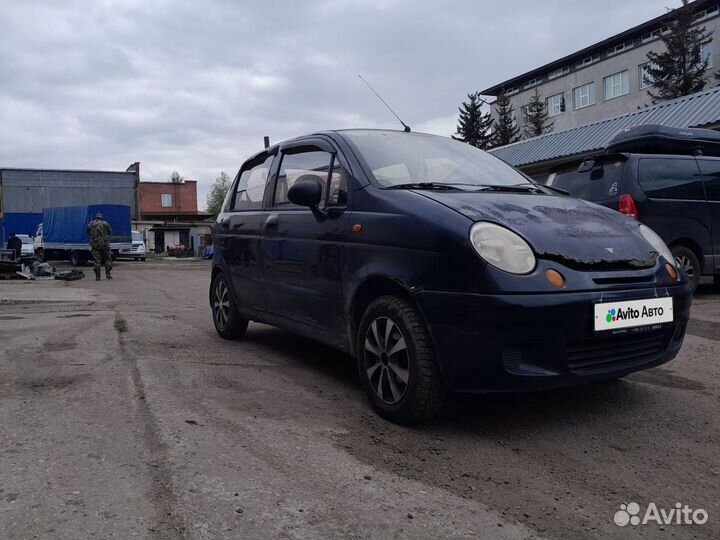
column 305, row 192
column 586, row 166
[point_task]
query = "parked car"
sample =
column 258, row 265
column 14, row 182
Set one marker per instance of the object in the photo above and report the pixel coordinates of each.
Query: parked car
column 660, row 182
column 137, row 250
column 438, row 266
column 27, row 250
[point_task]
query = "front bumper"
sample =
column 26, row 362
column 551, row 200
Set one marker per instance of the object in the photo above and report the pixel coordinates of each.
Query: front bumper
column 516, row 342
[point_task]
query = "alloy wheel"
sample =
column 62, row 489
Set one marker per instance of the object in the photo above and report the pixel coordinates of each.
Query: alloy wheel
column 386, row 360
column 221, row 304
column 686, row 264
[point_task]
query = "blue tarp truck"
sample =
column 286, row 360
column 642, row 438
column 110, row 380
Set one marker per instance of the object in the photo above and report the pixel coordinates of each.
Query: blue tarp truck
column 62, row 235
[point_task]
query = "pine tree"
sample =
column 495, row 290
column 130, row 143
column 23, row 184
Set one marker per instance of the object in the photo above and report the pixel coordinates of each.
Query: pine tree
column 680, row 70
column 506, row 130
column 538, row 122
column 473, row 126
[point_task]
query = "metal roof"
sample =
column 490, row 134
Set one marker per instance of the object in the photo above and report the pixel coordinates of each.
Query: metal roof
column 701, row 109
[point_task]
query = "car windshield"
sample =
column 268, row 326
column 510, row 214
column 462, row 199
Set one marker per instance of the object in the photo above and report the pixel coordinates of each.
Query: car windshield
column 25, row 239
column 396, row 158
column 137, row 237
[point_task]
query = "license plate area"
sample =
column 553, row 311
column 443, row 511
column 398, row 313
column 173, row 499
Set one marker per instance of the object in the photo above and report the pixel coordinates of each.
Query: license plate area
column 616, row 315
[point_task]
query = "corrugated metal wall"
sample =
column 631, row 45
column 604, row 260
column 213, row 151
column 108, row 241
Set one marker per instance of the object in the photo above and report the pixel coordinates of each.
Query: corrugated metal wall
column 29, row 191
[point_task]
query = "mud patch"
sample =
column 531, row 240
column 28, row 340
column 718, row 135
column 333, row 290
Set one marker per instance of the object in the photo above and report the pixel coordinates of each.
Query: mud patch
column 50, row 384
column 120, row 324
column 74, row 315
column 11, row 318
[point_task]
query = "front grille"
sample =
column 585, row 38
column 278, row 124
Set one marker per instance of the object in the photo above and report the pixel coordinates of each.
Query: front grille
column 616, row 352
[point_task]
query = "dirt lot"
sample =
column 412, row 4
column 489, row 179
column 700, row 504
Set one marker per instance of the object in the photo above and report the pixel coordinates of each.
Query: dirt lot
column 125, row 416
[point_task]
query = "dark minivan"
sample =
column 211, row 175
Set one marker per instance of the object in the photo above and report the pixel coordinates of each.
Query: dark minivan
column 439, row 267
column 666, row 178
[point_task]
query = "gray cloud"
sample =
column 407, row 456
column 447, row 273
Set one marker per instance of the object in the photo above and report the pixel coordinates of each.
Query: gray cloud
column 194, row 86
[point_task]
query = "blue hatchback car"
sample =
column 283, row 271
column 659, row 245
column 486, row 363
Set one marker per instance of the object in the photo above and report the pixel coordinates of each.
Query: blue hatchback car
column 438, row 267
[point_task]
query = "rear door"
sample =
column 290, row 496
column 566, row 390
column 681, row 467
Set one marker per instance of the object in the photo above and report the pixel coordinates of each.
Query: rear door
column 710, row 170
column 303, row 255
column 674, row 204
column 238, row 231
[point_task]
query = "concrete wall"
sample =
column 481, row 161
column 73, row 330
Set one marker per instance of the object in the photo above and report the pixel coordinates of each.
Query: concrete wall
column 629, row 60
column 184, row 197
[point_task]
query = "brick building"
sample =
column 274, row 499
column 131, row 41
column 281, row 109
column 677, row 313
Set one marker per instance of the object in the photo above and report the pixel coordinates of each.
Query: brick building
column 169, row 216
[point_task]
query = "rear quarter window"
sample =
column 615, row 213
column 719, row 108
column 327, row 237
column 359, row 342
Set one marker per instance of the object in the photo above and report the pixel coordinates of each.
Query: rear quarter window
column 669, row 178
column 601, row 183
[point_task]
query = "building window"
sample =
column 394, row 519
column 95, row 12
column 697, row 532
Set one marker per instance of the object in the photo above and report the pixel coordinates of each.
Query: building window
column 706, row 52
column 555, row 104
column 558, row 72
column 584, row 95
column 620, row 48
column 646, row 81
column 706, row 14
column 166, row 200
column 512, row 91
column 655, row 34
column 524, row 114
column 587, row 61
column 532, row 82
column 616, row 85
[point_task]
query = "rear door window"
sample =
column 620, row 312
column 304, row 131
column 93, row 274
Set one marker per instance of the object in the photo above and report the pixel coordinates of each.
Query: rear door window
column 601, row 183
column 251, row 186
column 671, row 178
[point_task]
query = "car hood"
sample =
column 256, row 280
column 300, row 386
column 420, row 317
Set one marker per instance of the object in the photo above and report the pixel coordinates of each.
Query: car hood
column 571, row 231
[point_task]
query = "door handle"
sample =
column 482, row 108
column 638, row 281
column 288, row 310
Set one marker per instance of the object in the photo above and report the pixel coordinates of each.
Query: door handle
column 271, row 222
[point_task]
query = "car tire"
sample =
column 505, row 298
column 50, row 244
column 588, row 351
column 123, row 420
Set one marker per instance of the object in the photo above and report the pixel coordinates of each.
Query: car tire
column 40, row 256
column 228, row 322
column 716, row 281
column 688, row 261
column 396, row 362
column 142, row 259
column 74, row 258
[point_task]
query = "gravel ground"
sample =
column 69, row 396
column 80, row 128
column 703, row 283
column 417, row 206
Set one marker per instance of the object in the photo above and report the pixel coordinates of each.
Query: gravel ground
column 125, row 416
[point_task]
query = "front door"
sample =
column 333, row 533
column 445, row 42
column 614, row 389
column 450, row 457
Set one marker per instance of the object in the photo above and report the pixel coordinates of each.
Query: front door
column 710, row 170
column 303, row 254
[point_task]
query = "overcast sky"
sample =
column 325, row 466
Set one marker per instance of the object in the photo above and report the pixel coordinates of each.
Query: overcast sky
column 194, row 86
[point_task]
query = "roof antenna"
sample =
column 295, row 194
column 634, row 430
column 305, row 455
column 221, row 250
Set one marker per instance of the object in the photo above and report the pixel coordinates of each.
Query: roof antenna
column 406, row 128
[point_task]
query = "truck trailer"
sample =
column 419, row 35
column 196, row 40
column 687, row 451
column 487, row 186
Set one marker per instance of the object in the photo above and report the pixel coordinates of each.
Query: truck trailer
column 62, row 234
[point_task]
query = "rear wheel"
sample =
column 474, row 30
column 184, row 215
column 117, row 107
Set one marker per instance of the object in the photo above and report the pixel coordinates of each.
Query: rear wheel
column 40, row 255
column 74, row 258
column 228, row 322
column 688, row 261
column 396, row 362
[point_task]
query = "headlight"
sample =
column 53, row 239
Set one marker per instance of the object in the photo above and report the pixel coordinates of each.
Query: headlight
column 502, row 248
column 657, row 243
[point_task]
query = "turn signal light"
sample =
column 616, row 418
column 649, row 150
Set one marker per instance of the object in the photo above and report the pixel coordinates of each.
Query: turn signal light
column 626, row 205
column 671, row 270
column 555, row 278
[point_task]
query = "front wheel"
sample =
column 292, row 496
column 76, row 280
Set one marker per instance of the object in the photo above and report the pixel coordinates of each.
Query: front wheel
column 228, row 322
column 396, row 362
column 688, row 261
column 40, row 255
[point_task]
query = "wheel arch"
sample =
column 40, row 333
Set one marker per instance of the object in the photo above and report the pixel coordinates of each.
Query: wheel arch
column 692, row 246
column 371, row 288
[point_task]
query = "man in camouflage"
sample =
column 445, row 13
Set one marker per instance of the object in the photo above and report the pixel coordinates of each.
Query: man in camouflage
column 99, row 230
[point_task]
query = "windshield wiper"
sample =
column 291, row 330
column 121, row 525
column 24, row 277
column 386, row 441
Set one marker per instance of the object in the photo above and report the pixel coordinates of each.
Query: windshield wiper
column 513, row 188
column 426, row 185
